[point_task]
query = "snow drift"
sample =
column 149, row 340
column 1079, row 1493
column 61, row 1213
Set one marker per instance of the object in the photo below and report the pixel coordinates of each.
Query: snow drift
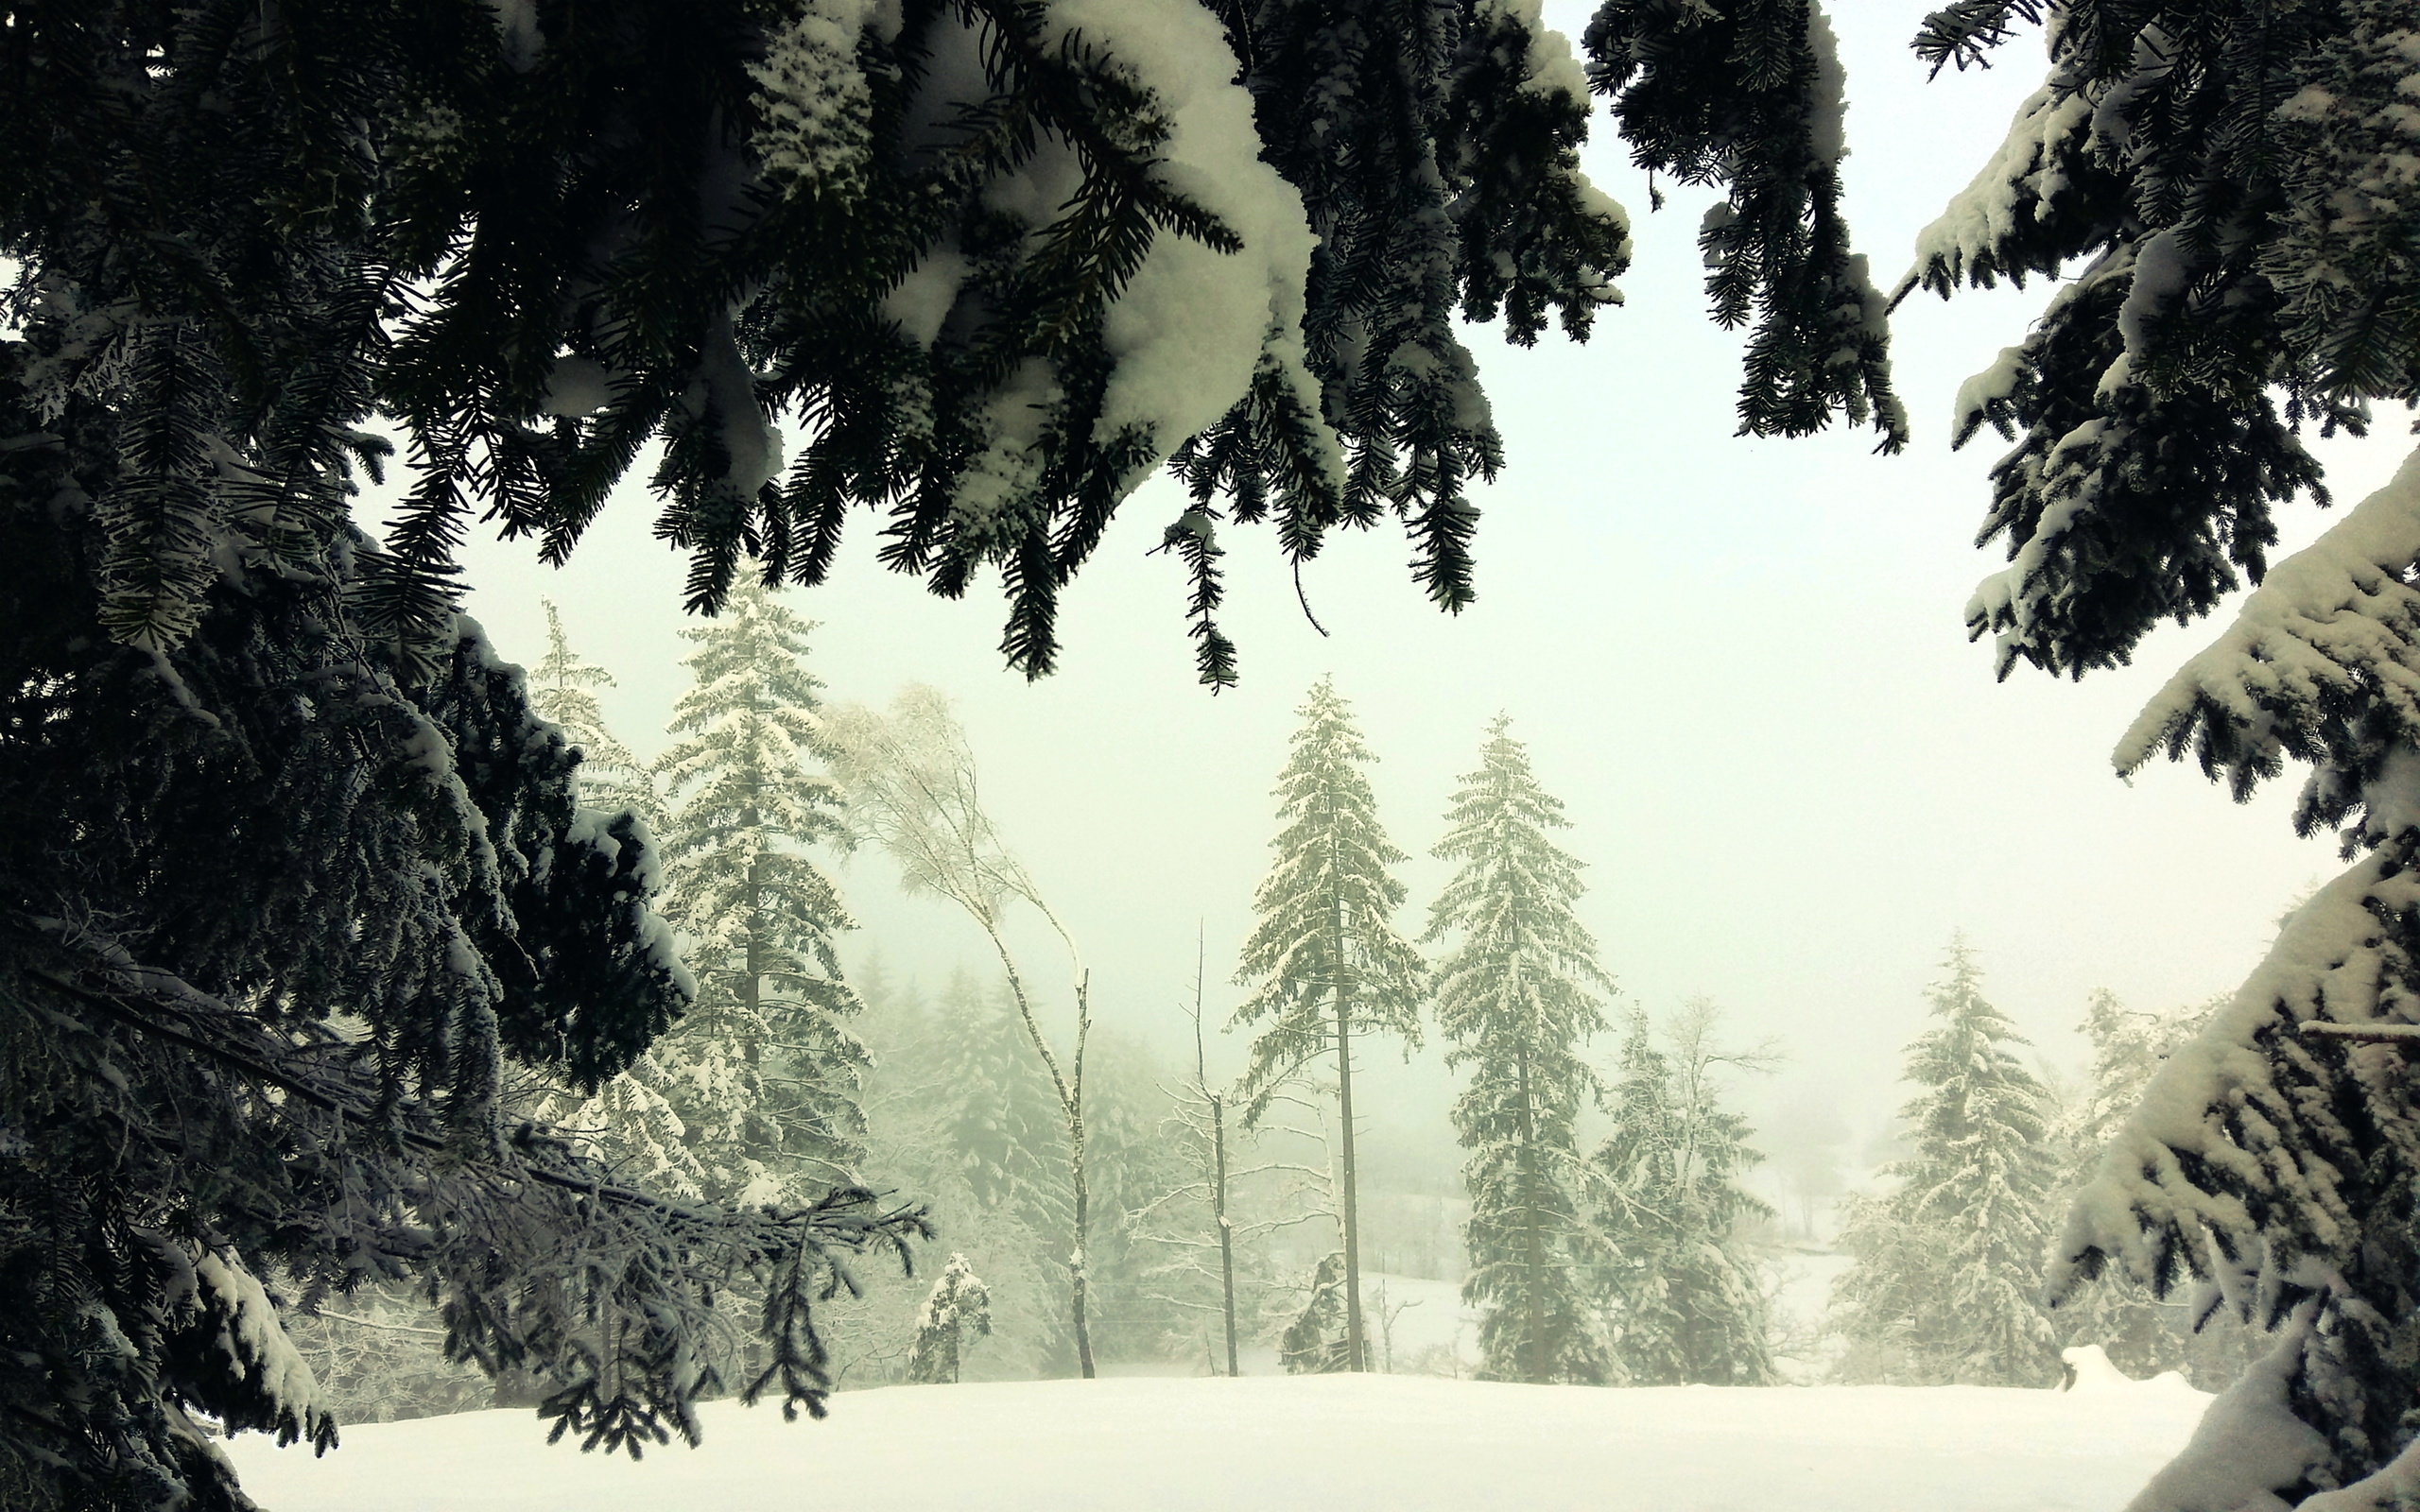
column 1291, row 1444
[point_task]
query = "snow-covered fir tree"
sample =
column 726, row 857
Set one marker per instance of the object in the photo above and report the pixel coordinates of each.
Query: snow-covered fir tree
column 562, row 689
column 1318, row 1340
column 1683, row 1292
column 2141, row 1334
column 762, row 1071
column 628, row 1122
column 1324, row 960
column 1946, row 1286
column 1518, row 998
column 2221, row 192
column 958, row 1304
column 295, row 982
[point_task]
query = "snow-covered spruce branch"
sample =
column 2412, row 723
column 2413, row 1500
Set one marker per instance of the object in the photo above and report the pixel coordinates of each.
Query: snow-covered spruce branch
column 2321, row 664
column 619, row 1247
column 850, row 1215
column 2375, row 1033
column 2270, row 1155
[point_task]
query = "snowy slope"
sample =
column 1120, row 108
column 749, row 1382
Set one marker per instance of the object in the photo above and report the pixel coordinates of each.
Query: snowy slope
column 1304, row 1444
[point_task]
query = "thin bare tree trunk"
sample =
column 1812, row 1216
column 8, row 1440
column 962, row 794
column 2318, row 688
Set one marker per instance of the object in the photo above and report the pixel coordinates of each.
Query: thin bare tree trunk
column 1071, row 1106
column 1226, row 1230
column 1219, row 1153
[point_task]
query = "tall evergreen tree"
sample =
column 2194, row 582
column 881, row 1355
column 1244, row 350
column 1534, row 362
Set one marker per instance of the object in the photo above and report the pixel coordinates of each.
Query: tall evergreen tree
column 1001, row 1124
column 1329, row 965
column 1515, row 998
column 2141, row 1334
column 628, row 1122
column 1949, row 1275
column 763, row 1070
column 2222, row 192
column 562, row 689
column 1681, row 1295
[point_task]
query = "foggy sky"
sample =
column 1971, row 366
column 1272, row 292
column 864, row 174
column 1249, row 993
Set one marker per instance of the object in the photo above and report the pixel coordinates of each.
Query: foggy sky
column 1741, row 662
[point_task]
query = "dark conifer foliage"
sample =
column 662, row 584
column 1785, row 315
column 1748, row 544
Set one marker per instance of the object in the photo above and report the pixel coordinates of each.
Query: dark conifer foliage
column 2245, row 270
column 2223, row 190
column 549, row 237
column 1747, row 96
column 279, row 819
column 1435, row 149
column 276, row 929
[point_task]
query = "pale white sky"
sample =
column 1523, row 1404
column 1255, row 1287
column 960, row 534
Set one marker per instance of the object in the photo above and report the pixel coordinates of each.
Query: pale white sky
column 1739, row 662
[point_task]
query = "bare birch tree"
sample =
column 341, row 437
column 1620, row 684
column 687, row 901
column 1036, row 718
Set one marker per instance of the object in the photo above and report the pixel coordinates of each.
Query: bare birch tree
column 911, row 788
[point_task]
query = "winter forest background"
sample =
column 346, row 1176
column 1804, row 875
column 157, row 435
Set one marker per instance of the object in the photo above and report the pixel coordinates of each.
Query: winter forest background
column 1791, row 781
column 1744, row 986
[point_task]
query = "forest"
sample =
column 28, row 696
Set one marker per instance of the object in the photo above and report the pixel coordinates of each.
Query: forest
column 1603, row 1225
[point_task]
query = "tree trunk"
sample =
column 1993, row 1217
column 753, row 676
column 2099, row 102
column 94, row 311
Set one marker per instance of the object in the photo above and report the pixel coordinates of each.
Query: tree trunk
column 1226, row 1230
column 1533, row 1326
column 1079, row 1263
column 1356, row 1355
column 1218, row 1154
column 1071, row 1105
column 1356, row 1347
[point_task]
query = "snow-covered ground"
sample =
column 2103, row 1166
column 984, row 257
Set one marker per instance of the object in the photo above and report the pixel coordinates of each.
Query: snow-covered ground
column 1294, row 1444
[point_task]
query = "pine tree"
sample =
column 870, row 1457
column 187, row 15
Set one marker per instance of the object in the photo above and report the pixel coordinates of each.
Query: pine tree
column 1948, row 1273
column 762, row 1071
column 611, row 778
column 1329, row 966
column 959, row 1301
column 628, row 1122
column 1680, row 1288
column 1513, row 997
column 2218, row 189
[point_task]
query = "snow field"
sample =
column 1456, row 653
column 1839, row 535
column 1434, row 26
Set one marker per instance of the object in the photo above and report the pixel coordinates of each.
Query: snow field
column 1294, row 1444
